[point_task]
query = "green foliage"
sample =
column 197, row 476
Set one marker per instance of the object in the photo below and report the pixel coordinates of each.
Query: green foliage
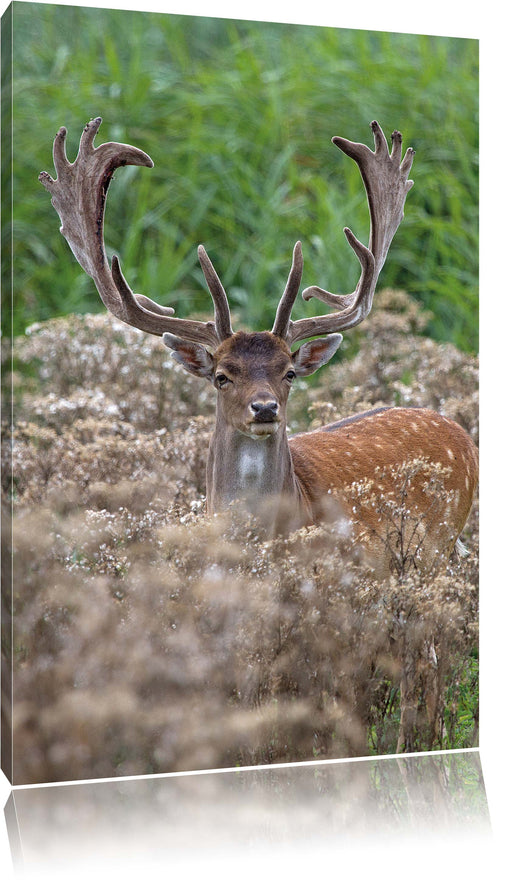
column 238, row 117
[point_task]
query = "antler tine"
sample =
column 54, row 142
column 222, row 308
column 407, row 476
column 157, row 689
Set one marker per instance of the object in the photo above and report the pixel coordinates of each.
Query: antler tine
column 219, row 297
column 79, row 194
column 154, row 320
column 289, row 296
column 386, row 182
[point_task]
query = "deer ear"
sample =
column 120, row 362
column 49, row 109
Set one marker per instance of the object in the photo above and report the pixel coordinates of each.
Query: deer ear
column 315, row 353
column 192, row 356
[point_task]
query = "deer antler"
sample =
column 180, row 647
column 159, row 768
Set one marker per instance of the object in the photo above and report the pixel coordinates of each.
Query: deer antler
column 78, row 194
column 385, row 178
column 282, row 320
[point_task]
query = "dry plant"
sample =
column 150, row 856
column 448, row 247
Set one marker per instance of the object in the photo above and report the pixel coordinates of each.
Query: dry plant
column 401, row 528
column 150, row 637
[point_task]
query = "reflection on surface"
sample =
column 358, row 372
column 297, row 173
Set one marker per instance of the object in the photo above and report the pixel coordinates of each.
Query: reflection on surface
column 318, row 812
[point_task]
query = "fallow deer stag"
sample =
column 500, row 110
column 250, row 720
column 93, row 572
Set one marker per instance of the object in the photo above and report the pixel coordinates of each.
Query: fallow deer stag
column 250, row 457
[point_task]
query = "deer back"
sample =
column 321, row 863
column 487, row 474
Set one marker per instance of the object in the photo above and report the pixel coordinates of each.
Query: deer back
column 405, row 477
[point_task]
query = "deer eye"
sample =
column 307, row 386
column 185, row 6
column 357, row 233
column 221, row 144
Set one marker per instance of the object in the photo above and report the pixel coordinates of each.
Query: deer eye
column 221, row 380
column 290, row 375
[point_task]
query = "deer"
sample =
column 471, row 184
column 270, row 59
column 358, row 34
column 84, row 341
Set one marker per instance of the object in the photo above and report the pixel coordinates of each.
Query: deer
column 296, row 480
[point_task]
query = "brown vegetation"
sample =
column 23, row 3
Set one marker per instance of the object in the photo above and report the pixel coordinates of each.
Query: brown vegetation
column 150, row 637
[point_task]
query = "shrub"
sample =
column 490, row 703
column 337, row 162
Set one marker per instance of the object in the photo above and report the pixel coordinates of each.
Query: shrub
column 150, row 637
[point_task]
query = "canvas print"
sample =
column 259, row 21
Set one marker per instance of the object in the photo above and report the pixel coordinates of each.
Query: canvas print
column 240, row 503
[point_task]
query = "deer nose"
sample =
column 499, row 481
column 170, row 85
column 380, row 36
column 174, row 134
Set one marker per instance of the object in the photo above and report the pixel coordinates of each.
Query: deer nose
column 264, row 412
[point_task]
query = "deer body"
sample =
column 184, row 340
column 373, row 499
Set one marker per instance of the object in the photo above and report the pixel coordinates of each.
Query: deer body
column 292, row 482
column 376, row 468
column 330, row 463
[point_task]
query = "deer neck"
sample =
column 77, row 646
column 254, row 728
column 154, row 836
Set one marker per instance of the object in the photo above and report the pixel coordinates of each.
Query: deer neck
column 250, row 470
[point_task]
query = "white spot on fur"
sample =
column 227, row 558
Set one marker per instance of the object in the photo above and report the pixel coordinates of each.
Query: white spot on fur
column 252, row 463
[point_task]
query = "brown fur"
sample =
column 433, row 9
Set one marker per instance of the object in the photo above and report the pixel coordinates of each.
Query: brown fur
column 331, row 461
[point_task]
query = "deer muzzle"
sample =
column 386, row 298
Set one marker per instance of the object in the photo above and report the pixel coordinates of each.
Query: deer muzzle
column 264, row 412
column 262, row 418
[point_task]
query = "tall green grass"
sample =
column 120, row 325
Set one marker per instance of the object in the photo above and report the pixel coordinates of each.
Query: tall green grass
column 238, row 118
